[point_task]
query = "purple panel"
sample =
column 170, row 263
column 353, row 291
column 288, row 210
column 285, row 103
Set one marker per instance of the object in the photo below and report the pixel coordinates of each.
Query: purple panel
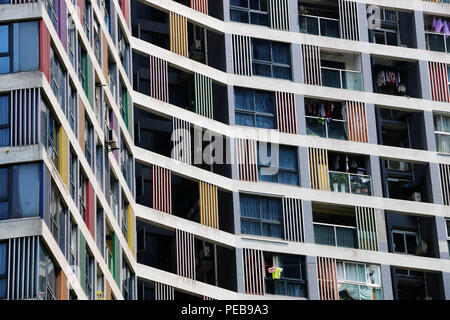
column 62, row 23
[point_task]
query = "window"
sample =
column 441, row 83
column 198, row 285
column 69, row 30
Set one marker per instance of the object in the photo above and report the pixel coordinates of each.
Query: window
column 51, row 139
column 87, row 19
column 72, row 110
column 3, row 268
column 82, row 64
column 57, row 79
column 404, row 241
column 122, row 102
column 292, row 281
column 442, row 132
column 89, row 142
column 99, row 164
column 83, row 196
column 48, row 282
column 261, row 216
column 358, row 281
column 279, row 166
column 4, row 120
column 127, row 281
column 448, row 233
column 73, row 244
column 112, row 77
column 124, row 221
column 55, row 213
column 19, row 191
column 255, row 108
column 125, row 162
column 250, row 11
column 5, row 48
column 73, row 162
column 52, row 9
column 89, row 277
column 271, row 59
column 71, row 45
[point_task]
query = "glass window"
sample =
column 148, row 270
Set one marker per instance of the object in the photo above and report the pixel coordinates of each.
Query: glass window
column 5, row 50
column 249, row 11
column 27, row 57
column 4, row 120
column 255, row 108
column 271, row 59
column 25, row 190
column 282, row 162
column 261, row 216
column 3, row 269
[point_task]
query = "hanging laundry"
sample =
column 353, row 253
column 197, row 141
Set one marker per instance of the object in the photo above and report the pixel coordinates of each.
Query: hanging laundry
column 381, row 78
column 276, row 272
column 438, row 26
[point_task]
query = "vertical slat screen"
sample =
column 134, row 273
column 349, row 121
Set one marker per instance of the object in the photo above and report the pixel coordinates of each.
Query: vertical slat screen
column 25, row 117
column 203, row 96
column 178, row 34
column 357, row 121
column 23, row 268
column 279, row 14
column 286, row 113
column 45, row 50
column 293, row 220
column 253, row 261
column 162, row 189
column 185, row 251
column 366, row 227
column 81, row 138
column 182, row 149
column 348, row 20
column 209, row 205
column 247, row 159
column 445, row 182
column 318, row 161
column 439, row 81
column 131, row 229
column 64, row 157
column 200, row 5
column 327, row 278
column 311, row 64
column 159, row 79
column 242, row 55
column 164, row 292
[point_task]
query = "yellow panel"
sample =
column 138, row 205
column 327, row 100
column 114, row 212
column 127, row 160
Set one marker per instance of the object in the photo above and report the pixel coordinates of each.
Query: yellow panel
column 64, row 156
column 178, row 34
column 131, row 230
column 209, row 210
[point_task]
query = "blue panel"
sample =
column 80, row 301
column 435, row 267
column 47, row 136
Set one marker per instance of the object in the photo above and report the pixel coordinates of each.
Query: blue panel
column 4, row 38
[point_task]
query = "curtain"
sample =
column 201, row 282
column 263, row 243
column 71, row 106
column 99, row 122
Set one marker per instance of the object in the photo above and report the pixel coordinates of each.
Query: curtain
column 4, row 120
column 350, row 289
column 243, row 99
column 288, row 158
column 249, row 206
column 264, row 102
column 346, row 237
column 281, row 53
column 261, row 50
column 245, row 119
column 270, row 209
column 265, row 122
column 250, row 227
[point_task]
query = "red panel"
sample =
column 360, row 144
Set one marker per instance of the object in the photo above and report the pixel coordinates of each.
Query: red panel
column 439, row 82
column 162, row 200
column 45, row 50
column 286, row 114
column 90, row 209
column 80, row 5
column 126, row 11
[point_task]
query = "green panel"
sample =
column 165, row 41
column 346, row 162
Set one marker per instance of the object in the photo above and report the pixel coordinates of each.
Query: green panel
column 82, row 262
column 130, row 113
column 116, row 258
column 203, row 96
column 89, row 81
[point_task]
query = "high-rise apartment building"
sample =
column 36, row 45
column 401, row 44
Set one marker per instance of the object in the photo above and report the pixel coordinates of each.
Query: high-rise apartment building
column 224, row 149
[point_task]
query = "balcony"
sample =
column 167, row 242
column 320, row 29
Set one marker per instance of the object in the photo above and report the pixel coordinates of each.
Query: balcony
column 437, row 33
column 319, row 26
column 335, row 235
column 350, row 183
column 341, row 79
column 326, row 127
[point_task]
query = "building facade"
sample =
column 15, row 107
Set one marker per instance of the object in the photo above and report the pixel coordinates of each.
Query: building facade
column 224, row 149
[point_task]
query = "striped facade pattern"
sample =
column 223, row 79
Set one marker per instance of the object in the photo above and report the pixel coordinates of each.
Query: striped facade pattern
column 242, row 55
column 357, row 121
column 293, row 220
column 159, row 79
column 181, row 137
column 444, row 170
column 279, row 14
column 25, row 124
column 200, row 5
column 327, row 278
column 23, row 268
column 286, row 113
column 203, row 96
column 348, row 20
column 439, row 81
column 164, row 292
column 162, row 189
column 131, row 235
column 366, row 228
column 185, row 251
column 311, row 64
column 178, row 34
column 253, row 261
column 209, row 205
column 318, row 161
column 247, row 159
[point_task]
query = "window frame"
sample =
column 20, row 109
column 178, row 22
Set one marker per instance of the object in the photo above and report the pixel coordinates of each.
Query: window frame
column 250, row 12
column 270, row 63
column 10, row 52
column 367, row 283
column 280, row 169
column 254, row 112
column 8, row 125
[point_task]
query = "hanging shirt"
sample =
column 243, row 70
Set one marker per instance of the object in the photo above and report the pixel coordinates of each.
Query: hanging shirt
column 277, row 273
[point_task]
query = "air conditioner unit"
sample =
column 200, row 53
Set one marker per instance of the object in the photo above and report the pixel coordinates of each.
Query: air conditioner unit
column 111, row 139
column 416, row 196
column 397, row 165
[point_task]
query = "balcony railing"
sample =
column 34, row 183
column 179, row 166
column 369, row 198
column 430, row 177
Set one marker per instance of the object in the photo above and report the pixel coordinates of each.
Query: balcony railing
column 341, row 79
column 326, row 128
column 335, row 235
column 285, row 287
column 326, row 27
column 350, row 183
column 437, row 42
